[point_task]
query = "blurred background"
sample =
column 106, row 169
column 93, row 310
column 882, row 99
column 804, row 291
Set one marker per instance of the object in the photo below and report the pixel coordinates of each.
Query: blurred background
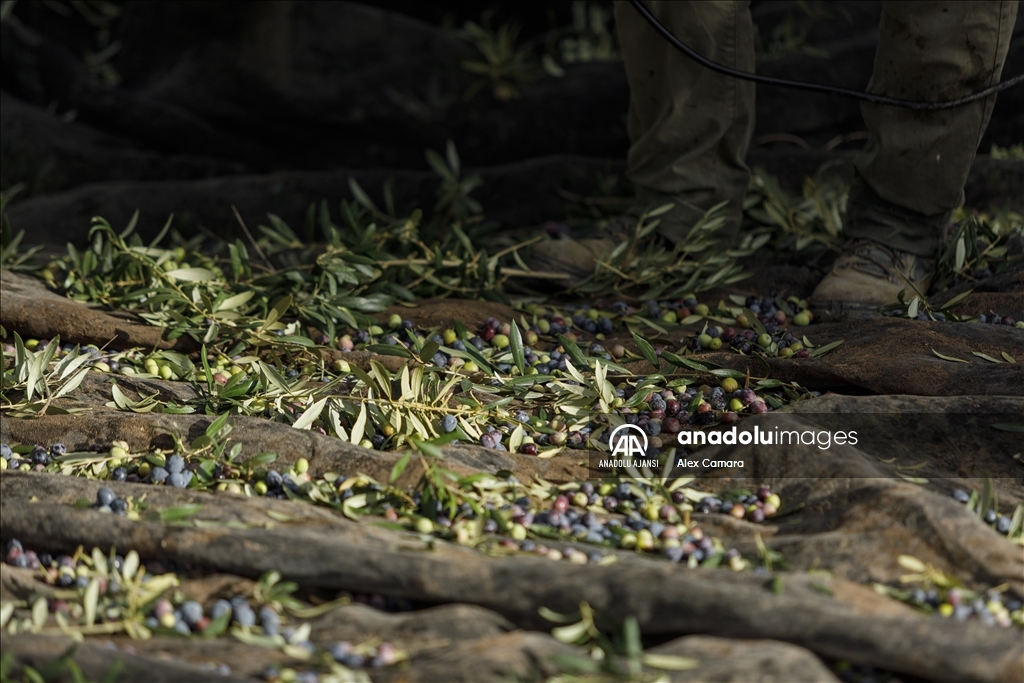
column 191, row 106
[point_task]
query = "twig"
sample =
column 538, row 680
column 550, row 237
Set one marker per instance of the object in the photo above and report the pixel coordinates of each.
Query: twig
column 538, row 274
column 209, row 233
column 781, row 137
column 532, row 240
column 847, row 137
column 251, row 240
column 449, row 263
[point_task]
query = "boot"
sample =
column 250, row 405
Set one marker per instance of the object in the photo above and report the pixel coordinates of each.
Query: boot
column 868, row 275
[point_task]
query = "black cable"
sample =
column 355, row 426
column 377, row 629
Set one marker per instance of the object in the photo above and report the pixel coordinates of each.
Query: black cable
column 814, row 87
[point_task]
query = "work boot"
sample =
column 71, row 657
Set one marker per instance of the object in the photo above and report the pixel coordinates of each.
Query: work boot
column 868, row 275
column 578, row 258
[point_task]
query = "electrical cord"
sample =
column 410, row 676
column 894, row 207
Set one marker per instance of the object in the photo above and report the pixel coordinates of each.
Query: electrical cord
column 814, row 87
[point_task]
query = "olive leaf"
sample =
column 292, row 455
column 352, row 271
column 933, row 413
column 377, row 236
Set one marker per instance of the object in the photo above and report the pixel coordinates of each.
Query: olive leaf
column 910, row 562
column 130, row 565
column 949, row 358
column 91, row 600
column 180, row 512
column 6, row 612
column 359, row 427
column 361, row 196
column 669, row 662
column 390, row 350
column 685, row 362
column 234, row 302
column 516, row 439
column 987, row 499
column 99, row 562
column 1017, row 523
column 822, row 350
column 72, row 383
column 573, row 350
column 516, row 342
column 429, row 349
column 631, row 643
column 217, row 626
column 952, row 303
column 191, row 274
column 426, row 447
column 754, row 322
column 646, row 350
column 400, row 466
column 961, row 254
column 39, row 613
column 572, row 633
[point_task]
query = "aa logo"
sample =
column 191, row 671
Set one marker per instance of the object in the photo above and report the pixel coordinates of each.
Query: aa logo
column 628, row 441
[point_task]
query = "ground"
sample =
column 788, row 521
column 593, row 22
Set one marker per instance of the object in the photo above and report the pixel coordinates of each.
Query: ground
column 256, row 446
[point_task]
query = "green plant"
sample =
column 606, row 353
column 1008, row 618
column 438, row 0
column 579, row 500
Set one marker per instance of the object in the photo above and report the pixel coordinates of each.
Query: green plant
column 979, row 242
column 590, row 37
column 10, row 256
column 130, row 604
column 39, row 384
column 502, row 66
column 616, row 651
column 453, row 194
column 788, row 38
column 642, row 267
column 1011, row 152
column 61, row 669
column 217, row 294
column 815, row 218
column 271, row 590
column 101, row 16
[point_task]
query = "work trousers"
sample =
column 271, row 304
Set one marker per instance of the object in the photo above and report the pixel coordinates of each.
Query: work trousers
column 690, row 127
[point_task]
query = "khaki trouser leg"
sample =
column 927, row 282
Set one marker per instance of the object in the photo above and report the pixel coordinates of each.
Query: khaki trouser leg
column 914, row 167
column 690, row 127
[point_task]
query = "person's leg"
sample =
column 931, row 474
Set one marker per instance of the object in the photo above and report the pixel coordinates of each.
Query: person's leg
column 911, row 174
column 690, row 127
column 916, row 163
